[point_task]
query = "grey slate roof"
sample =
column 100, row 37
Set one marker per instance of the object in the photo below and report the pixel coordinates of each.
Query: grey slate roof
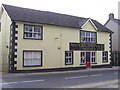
column 19, row 14
column 117, row 20
column 101, row 27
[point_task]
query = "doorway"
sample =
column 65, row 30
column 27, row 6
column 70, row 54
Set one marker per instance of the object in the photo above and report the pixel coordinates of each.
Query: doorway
column 86, row 59
column 88, row 63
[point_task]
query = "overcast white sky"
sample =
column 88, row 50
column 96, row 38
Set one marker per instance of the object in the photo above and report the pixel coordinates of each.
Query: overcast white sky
column 95, row 9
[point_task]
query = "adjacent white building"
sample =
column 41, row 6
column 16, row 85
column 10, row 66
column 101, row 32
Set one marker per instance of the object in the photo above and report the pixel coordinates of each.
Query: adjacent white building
column 114, row 25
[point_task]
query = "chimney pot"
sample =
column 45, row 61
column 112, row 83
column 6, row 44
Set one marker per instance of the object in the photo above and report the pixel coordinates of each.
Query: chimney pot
column 111, row 16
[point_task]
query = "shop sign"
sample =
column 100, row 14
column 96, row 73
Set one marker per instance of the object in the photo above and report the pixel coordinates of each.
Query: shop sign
column 86, row 46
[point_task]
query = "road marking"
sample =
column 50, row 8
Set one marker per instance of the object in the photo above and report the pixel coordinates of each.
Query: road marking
column 116, row 73
column 9, row 83
column 22, row 82
column 96, row 75
column 76, row 77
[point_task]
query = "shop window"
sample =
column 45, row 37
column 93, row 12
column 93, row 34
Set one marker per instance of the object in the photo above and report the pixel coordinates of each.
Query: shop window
column 88, row 37
column 105, row 56
column 93, row 57
column 68, row 57
column 83, row 57
column 32, row 58
column 33, row 32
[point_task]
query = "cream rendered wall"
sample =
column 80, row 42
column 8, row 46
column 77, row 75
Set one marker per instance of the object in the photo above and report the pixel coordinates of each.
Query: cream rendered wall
column 70, row 35
column 89, row 27
column 54, row 44
column 102, row 38
column 4, row 36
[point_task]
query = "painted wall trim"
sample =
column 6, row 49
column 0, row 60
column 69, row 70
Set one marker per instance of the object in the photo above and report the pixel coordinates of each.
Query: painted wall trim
column 90, row 22
column 12, row 49
column 111, row 61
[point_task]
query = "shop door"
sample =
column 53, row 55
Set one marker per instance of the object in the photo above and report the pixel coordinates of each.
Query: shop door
column 88, row 64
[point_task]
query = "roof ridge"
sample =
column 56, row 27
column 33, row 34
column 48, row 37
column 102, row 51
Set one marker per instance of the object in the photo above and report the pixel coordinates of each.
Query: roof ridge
column 20, row 14
column 44, row 11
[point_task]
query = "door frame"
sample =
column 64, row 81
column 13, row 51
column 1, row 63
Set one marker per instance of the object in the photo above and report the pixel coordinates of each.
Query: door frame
column 88, row 59
column 85, row 57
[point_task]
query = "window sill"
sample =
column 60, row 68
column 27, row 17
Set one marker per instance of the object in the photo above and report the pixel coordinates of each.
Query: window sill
column 105, row 62
column 91, row 63
column 94, row 63
column 82, row 64
column 33, row 66
column 69, row 64
column 33, row 38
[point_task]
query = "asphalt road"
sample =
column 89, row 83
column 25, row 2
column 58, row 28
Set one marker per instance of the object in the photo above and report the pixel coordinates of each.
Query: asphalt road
column 58, row 80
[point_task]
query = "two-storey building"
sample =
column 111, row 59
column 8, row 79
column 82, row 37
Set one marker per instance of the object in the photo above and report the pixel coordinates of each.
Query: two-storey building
column 34, row 40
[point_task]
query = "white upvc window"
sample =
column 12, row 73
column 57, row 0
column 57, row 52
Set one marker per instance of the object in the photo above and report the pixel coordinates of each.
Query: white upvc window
column 88, row 36
column 105, row 56
column 32, row 58
column 93, row 57
column 83, row 57
column 68, row 57
column 33, row 32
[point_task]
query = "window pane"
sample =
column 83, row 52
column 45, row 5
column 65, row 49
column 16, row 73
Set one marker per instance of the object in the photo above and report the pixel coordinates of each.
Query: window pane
column 37, row 29
column 83, row 59
column 70, row 54
column 25, row 62
column 37, row 55
column 36, row 61
column 93, row 58
column 66, row 54
column 32, row 32
column 28, row 34
column 29, row 62
column 35, row 35
column 87, row 34
column 68, row 57
column 93, row 35
column 26, row 28
column 82, row 34
column 83, row 39
column 105, row 56
column 32, row 58
column 86, row 40
column 27, row 55
column 39, row 35
column 94, row 39
column 88, row 37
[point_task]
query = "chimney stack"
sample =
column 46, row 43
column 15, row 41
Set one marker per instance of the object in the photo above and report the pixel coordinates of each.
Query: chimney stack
column 111, row 16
